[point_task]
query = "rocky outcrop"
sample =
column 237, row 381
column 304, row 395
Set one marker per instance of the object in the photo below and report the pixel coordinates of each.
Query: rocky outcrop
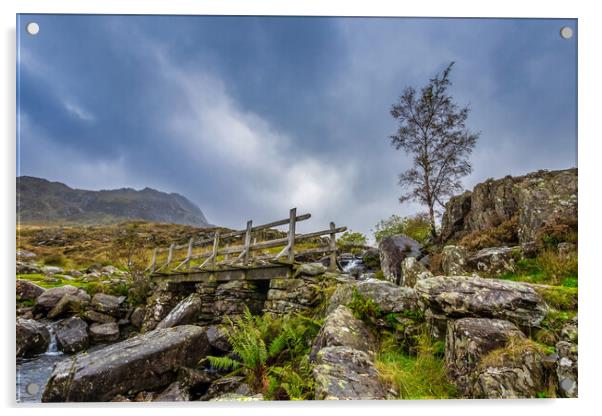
column 144, row 362
column 393, row 250
column 27, row 290
column 464, row 296
column 343, row 353
column 291, row 295
column 32, row 337
column 535, row 200
column 389, row 297
column 159, row 304
column 412, row 271
column 72, row 335
column 185, row 312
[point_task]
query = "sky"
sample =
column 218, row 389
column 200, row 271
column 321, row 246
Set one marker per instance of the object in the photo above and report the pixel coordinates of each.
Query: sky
column 250, row 116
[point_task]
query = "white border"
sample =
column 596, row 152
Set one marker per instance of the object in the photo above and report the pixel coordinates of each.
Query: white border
column 589, row 162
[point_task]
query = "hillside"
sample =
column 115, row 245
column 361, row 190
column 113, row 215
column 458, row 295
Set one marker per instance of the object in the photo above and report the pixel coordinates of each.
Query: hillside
column 40, row 201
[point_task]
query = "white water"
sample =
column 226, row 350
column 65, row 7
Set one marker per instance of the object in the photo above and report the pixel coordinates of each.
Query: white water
column 52, row 347
column 351, row 265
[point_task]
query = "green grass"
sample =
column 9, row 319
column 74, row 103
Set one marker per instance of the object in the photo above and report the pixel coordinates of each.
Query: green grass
column 415, row 377
column 90, row 287
column 546, row 269
column 560, row 297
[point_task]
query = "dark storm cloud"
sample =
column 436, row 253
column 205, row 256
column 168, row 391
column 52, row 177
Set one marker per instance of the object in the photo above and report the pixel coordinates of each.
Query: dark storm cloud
column 250, row 116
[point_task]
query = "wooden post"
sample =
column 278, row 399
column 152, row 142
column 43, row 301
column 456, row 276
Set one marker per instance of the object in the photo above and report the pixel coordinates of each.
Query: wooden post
column 170, row 254
column 246, row 252
column 153, row 261
column 291, row 235
column 215, row 247
column 189, row 254
column 333, row 248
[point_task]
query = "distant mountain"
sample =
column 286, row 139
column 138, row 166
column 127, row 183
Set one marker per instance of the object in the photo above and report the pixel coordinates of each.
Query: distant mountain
column 42, row 201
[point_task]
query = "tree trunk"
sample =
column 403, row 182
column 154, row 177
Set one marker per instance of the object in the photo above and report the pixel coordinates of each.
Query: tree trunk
column 432, row 218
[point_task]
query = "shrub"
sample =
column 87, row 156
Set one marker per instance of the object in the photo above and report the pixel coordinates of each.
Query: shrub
column 364, row 308
column 351, row 238
column 506, row 233
column 557, row 231
column 55, row 259
column 417, row 227
column 559, row 297
column 556, row 267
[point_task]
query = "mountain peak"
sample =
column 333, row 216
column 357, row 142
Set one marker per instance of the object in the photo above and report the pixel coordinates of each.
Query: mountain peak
column 43, row 201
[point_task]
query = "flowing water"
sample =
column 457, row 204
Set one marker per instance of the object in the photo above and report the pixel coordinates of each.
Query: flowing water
column 351, row 265
column 33, row 373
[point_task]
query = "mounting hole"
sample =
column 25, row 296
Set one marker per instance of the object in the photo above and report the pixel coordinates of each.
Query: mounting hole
column 32, row 389
column 32, row 28
column 566, row 32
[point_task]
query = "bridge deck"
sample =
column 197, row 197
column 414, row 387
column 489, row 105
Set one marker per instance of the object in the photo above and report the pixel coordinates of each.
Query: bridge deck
column 264, row 272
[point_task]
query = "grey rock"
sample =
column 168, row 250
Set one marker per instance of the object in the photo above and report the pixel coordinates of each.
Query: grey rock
column 224, row 385
column 101, row 318
column 344, row 373
column 175, row 392
column 27, row 268
column 462, row 296
column 412, row 271
column 234, row 397
column 50, row 270
column 137, row 317
column 102, row 333
column 107, row 304
column 389, row 297
column 218, row 338
column 72, row 335
column 48, row 300
column 454, row 260
column 567, row 369
column 185, row 312
column 32, row 337
column 287, row 296
column 468, row 341
column 144, row 362
column 310, row 269
column 393, row 250
column 494, row 261
column 27, row 290
column 68, row 304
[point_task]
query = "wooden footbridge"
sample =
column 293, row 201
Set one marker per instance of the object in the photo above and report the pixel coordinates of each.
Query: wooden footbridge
column 217, row 259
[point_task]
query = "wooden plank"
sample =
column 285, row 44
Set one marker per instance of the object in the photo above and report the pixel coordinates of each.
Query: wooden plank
column 259, row 273
column 333, row 248
column 291, row 235
column 302, row 217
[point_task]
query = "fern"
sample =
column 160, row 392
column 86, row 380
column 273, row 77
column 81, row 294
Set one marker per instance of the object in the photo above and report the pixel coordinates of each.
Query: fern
column 223, row 363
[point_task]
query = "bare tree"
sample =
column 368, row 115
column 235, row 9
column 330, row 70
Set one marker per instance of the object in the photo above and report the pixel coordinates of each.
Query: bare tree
column 432, row 128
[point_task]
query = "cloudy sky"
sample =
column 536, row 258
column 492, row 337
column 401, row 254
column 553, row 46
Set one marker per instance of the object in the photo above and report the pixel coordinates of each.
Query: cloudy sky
column 250, row 116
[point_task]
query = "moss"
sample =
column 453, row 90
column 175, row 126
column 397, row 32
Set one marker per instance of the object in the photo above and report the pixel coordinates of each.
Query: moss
column 559, row 297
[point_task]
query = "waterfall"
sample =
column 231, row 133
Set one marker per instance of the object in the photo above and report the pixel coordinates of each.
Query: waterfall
column 52, row 346
column 352, row 264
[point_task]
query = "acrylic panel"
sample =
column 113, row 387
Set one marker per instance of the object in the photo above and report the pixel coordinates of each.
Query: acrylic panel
column 248, row 208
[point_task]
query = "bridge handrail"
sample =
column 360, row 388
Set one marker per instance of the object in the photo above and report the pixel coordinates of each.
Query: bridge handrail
column 245, row 250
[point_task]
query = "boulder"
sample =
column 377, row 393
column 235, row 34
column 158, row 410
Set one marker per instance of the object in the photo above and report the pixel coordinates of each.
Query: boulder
column 144, row 362
column 102, row 333
column 224, row 385
column 50, row 270
column 341, row 328
column 344, row 373
column 159, row 304
column 27, row 290
column 137, row 316
column 94, row 316
column 468, row 340
column 494, row 261
column 72, row 335
column 389, row 297
column 107, row 304
column 412, row 271
column 185, row 312
column 454, row 260
column 393, row 250
column 27, row 268
column 175, row 392
column 69, row 304
column 48, row 300
column 32, row 337
column 310, row 269
column 462, row 296
column 218, row 338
